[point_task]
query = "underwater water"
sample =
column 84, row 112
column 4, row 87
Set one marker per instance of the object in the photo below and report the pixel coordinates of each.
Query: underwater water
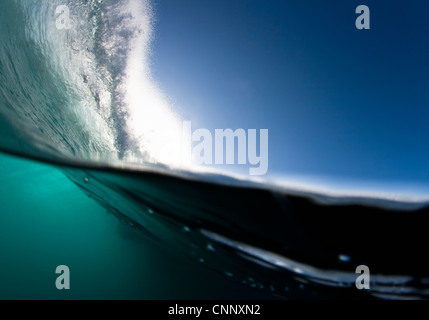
column 100, row 191
column 46, row 221
column 165, row 233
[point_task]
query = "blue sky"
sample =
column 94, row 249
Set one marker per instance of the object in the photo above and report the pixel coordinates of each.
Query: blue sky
column 339, row 102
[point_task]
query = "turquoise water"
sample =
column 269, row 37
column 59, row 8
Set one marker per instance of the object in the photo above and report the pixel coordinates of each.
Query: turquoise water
column 144, row 235
column 47, row 221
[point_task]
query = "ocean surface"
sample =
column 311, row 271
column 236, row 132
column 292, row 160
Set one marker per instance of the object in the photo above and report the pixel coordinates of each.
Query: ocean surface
column 83, row 186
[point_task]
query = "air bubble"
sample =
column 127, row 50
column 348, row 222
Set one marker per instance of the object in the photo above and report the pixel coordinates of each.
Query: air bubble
column 344, row 258
column 86, row 179
column 210, row 247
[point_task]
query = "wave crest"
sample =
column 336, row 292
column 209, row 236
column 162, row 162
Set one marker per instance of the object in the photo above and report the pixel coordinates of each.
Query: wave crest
column 84, row 92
